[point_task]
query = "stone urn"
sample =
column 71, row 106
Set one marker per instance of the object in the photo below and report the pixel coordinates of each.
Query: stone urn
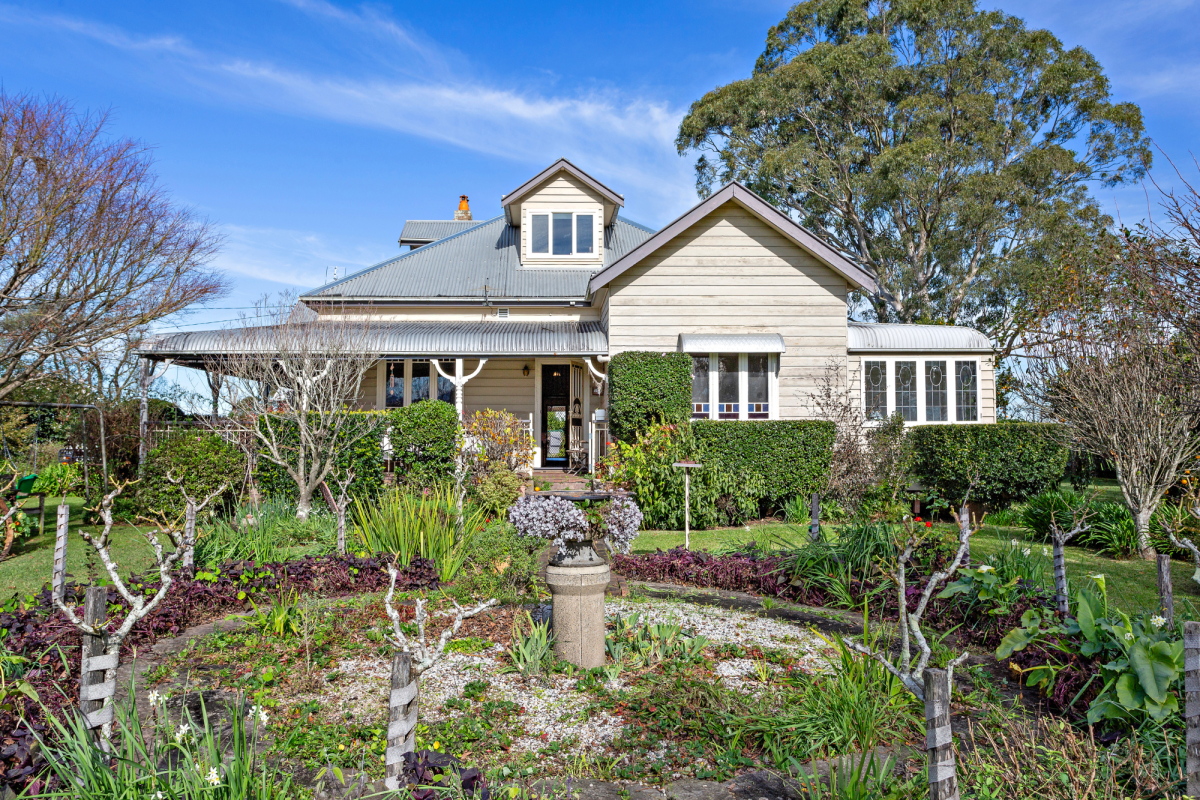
column 577, row 577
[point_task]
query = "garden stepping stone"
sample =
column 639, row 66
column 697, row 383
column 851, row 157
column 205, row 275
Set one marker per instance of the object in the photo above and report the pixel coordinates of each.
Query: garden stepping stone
column 692, row 789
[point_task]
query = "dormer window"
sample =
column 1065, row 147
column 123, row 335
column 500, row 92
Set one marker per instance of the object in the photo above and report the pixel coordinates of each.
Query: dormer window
column 562, row 233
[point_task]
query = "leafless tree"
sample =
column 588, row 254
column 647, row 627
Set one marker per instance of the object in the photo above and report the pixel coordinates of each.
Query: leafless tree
column 140, row 605
column 192, row 507
column 1123, row 394
column 426, row 655
column 296, row 383
column 91, row 247
column 912, row 673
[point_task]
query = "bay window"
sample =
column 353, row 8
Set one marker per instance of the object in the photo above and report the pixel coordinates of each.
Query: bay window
column 742, row 384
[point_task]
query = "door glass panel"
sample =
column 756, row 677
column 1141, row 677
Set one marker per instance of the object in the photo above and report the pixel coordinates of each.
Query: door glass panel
column 556, row 432
column 875, row 389
column 562, row 234
column 420, row 381
column 935, row 391
column 700, row 407
column 583, row 233
column 966, row 393
column 395, row 384
column 727, row 386
column 540, row 235
column 757, row 406
column 906, row 390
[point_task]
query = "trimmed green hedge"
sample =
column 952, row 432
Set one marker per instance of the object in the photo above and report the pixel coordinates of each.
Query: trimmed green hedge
column 203, row 460
column 645, row 388
column 791, row 456
column 1014, row 460
column 423, row 439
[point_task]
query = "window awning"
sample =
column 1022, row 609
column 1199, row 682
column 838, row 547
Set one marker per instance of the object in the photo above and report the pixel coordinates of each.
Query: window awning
column 731, row 343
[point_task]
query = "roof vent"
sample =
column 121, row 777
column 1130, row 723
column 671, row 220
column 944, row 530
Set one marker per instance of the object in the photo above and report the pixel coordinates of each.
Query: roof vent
column 464, row 209
column 502, row 313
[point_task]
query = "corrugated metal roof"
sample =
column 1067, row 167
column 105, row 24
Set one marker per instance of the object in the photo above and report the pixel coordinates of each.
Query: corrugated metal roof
column 420, row 339
column 731, row 343
column 430, row 230
column 483, row 261
column 900, row 338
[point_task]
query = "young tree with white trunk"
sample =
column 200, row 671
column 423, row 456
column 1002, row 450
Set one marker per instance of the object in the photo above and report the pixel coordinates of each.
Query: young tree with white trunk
column 297, row 380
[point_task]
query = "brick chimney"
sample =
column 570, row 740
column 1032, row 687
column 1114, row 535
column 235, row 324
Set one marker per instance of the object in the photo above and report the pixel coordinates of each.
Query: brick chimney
column 464, row 210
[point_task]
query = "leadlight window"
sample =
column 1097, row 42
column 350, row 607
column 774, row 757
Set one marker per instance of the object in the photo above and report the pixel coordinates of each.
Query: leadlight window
column 935, row 391
column 966, row 400
column 757, row 386
column 421, row 374
column 728, row 387
column 906, row 390
column 700, row 379
column 875, row 389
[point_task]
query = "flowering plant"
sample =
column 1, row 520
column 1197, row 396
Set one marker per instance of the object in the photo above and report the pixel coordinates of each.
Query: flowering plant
column 561, row 521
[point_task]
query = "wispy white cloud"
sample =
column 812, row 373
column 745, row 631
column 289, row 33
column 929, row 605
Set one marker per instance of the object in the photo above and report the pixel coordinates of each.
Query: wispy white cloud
column 293, row 258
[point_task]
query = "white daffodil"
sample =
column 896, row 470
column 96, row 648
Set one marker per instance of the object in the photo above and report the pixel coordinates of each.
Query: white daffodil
column 213, row 776
column 986, row 568
column 154, row 697
column 1158, row 621
column 1026, row 551
column 1013, row 542
column 182, row 732
column 257, row 712
column 1046, row 551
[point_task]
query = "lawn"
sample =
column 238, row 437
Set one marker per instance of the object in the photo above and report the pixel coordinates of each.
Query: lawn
column 32, row 561
column 1132, row 583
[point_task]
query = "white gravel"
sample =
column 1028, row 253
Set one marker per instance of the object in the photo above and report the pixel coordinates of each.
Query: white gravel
column 553, row 710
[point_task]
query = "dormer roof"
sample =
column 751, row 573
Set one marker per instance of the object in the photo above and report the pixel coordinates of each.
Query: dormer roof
column 511, row 202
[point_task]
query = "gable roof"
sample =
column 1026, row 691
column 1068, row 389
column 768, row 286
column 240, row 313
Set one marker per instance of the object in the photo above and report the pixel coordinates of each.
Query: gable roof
column 739, row 194
column 482, row 262
column 424, row 231
column 562, row 165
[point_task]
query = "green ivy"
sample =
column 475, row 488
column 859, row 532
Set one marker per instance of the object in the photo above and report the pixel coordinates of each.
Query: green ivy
column 1007, row 461
column 647, row 388
column 790, row 456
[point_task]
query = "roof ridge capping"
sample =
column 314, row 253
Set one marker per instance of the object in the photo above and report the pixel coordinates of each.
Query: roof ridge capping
column 801, row 236
column 320, row 290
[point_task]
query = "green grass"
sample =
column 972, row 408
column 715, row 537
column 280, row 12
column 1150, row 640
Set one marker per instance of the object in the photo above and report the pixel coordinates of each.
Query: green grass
column 1132, row 583
column 32, row 561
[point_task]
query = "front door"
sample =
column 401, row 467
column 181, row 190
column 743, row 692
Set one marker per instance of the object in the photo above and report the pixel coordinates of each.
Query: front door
column 556, row 397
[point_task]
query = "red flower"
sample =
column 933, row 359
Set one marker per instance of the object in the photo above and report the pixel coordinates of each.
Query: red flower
column 928, row 524
column 918, row 519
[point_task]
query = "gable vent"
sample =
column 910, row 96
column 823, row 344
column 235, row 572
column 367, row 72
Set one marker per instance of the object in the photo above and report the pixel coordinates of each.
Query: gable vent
column 502, row 313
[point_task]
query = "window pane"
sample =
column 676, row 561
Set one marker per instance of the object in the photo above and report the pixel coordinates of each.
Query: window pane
column 756, row 386
column 583, row 233
column 906, row 389
column 875, row 389
column 700, row 407
column 966, row 395
column 395, row 384
column 562, row 234
column 935, row 391
column 727, row 383
column 540, row 235
column 445, row 387
column 421, row 382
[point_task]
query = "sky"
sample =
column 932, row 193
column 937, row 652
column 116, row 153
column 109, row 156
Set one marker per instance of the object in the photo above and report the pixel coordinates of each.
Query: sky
column 307, row 131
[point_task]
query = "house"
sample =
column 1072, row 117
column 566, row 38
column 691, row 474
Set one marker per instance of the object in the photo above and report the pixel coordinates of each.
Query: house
column 523, row 311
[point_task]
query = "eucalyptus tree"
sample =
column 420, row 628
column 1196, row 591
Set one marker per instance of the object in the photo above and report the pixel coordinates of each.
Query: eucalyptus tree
column 946, row 149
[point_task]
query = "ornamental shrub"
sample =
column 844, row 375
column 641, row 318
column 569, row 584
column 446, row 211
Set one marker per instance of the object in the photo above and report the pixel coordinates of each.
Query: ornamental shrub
column 1006, row 461
column 363, row 455
column 790, row 456
column 647, row 388
column 203, row 460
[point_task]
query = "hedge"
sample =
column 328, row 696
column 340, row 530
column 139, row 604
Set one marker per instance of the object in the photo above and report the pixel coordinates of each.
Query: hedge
column 1007, row 461
column 645, row 388
column 203, row 461
column 423, row 439
column 791, row 456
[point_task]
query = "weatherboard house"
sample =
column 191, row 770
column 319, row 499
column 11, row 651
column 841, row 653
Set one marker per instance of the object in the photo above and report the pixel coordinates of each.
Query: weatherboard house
column 523, row 311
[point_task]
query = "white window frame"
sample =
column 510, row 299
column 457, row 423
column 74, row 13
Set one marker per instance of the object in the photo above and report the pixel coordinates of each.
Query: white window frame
column 714, row 385
column 952, row 394
column 597, row 233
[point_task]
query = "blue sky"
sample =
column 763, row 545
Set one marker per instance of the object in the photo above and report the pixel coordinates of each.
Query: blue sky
column 308, row 130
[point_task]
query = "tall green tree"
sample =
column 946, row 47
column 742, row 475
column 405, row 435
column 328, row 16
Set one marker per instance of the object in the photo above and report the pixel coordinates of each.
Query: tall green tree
column 946, row 149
